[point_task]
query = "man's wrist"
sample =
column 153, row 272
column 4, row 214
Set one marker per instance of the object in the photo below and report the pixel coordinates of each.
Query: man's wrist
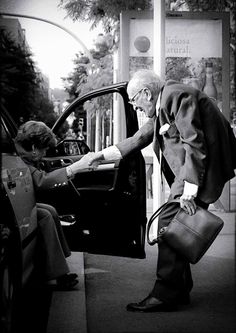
column 69, row 172
column 111, row 153
column 190, row 189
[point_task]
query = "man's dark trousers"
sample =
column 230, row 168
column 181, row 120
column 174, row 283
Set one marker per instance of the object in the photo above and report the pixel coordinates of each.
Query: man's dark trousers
column 174, row 278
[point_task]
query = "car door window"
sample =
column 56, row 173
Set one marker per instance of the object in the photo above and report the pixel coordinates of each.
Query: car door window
column 110, row 197
column 90, row 127
column 7, row 145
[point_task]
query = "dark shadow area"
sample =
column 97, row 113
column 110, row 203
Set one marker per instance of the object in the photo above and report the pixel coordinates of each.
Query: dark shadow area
column 33, row 309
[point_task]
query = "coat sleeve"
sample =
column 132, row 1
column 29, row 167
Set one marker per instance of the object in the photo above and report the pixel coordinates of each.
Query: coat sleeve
column 190, row 127
column 141, row 139
column 45, row 181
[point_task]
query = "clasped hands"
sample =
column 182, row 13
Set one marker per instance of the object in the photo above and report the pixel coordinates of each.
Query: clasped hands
column 90, row 161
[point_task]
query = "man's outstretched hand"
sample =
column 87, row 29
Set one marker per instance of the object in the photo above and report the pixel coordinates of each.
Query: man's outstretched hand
column 95, row 158
column 83, row 163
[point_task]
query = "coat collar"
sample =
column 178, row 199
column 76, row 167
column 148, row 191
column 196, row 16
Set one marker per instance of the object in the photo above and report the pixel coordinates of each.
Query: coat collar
column 25, row 155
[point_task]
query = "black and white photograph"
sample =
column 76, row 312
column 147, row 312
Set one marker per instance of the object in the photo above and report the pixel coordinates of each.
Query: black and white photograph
column 118, row 166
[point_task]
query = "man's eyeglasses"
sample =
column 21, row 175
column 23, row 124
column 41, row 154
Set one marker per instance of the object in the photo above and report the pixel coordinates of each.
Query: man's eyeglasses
column 132, row 100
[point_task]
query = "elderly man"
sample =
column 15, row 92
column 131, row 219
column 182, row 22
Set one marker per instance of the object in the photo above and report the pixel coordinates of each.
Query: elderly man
column 198, row 156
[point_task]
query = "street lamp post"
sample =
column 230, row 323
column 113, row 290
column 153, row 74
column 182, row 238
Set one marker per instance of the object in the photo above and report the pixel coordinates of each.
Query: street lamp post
column 55, row 24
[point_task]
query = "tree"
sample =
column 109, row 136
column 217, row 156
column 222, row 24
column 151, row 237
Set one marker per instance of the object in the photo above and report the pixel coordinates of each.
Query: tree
column 21, row 87
column 87, row 76
column 78, row 77
column 101, row 11
column 17, row 77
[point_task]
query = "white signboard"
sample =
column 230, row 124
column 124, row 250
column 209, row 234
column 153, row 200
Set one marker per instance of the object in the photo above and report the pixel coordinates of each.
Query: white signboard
column 193, row 38
column 184, row 38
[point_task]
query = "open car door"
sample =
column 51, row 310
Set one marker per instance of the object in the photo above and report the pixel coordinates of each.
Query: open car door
column 103, row 211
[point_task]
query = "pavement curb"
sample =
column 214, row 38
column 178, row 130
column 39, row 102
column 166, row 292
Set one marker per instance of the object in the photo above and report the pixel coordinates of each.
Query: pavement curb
column 68, row 308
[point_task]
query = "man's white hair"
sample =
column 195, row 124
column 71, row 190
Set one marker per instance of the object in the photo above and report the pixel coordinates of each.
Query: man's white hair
column 144, row 78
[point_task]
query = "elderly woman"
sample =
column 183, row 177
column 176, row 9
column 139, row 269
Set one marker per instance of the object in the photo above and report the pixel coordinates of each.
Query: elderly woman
column 33, row 139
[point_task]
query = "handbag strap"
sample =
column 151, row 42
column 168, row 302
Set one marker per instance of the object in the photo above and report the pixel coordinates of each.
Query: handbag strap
column 153, row 217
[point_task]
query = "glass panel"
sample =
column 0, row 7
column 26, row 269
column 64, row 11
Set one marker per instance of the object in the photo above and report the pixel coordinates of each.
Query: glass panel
column 194, row 55
column 6, row 142
column 92, row 124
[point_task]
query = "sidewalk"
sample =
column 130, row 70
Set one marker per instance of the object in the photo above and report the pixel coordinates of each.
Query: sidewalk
column 68, row 308
column 108, row 283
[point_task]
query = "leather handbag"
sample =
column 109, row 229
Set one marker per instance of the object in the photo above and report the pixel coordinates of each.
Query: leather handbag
column 189, row 235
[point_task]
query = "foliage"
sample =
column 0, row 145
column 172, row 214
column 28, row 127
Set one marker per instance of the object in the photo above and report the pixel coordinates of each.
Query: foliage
column 105, row 13
column 21, row 89
column 100, row 11
column 87, row 76
column 202, row 5
column 17, row 77
column 176, row 69
column 78, row 77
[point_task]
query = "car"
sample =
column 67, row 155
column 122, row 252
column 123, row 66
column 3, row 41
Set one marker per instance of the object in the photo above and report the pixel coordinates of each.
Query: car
column 18, row 224
column 103, row 211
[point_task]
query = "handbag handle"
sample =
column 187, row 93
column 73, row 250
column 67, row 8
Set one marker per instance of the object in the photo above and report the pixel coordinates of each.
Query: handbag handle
column 153, row 217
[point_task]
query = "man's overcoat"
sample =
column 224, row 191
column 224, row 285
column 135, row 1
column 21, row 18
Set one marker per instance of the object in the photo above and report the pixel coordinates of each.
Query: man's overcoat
column 199, row 145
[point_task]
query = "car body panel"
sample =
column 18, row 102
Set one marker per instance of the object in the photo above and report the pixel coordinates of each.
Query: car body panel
column 18, row 184
column 19, row 197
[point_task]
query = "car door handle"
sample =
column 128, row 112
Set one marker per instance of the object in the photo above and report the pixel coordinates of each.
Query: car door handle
column 11, row 184
column 65, row 162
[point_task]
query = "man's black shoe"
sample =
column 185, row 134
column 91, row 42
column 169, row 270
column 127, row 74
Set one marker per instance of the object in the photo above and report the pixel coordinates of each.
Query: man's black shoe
column 151, row 304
